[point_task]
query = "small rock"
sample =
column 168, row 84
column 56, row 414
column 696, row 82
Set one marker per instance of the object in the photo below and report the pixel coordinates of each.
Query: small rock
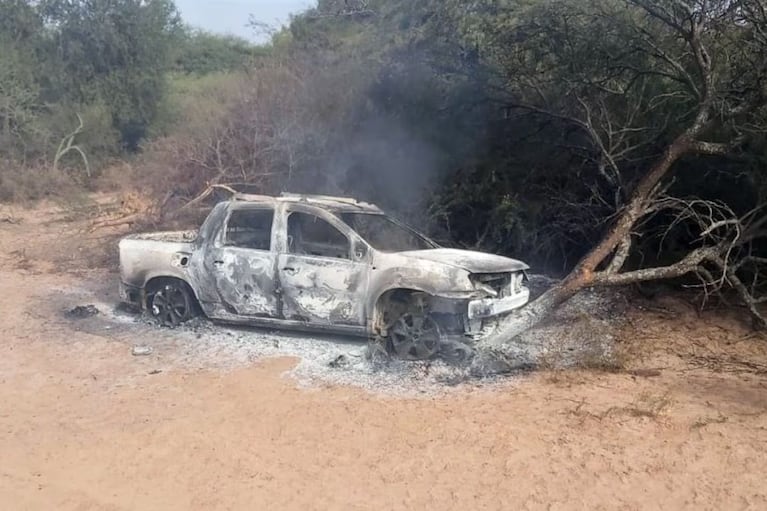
column 142, row 351
column 453, row 379
column 645, row 373
column 339, row 361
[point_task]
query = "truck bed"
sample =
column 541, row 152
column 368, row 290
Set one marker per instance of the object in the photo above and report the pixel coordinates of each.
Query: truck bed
column 169, row 236
column 143, row 256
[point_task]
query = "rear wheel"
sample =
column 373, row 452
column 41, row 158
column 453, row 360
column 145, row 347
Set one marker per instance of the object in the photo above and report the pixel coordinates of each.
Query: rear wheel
column 172, row 303
column 414, row 336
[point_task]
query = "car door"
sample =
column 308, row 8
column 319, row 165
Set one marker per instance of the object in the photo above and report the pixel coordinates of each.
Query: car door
column 322, row 270
column 243, row 264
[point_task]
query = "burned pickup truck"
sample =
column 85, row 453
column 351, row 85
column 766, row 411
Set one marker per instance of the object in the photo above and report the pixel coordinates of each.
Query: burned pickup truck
column 321, row 264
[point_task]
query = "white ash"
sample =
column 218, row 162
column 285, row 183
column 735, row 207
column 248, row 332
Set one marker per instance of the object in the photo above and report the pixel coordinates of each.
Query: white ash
column 580, row 329
column 321, row 359
column 581, row 332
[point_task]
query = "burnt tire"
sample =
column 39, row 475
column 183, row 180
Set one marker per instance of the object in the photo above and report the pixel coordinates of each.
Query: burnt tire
column 172, row 303
column 414, row 336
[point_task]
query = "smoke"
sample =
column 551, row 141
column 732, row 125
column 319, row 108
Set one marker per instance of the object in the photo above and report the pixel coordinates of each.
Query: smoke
column 395, row 144
column 388, row 129
column 385, row 163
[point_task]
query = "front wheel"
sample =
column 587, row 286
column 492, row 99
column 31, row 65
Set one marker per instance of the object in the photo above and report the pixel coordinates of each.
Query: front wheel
column 414, row 336
column 172, row 304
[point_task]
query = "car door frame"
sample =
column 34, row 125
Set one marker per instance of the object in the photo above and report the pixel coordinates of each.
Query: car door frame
column 360, row 263
column 252, row 292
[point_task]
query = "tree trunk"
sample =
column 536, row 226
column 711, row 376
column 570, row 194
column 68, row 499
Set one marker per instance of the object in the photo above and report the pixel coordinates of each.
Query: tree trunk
column 530, row 315
column 584, row 275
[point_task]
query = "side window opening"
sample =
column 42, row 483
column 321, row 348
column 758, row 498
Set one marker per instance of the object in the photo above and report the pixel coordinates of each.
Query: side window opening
column 311, row 235
column 250, row 228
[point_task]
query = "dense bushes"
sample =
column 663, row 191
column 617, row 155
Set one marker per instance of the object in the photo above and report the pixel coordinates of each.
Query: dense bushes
column 106, row 62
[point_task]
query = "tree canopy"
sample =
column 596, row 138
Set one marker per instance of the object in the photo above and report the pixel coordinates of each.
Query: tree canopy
column 108, row 61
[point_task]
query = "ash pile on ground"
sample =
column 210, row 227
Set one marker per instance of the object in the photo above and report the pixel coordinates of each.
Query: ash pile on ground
column 322, row 360
column 580, row 333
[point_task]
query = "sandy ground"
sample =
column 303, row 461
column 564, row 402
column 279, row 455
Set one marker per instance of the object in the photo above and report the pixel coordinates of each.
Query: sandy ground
column 86, row 426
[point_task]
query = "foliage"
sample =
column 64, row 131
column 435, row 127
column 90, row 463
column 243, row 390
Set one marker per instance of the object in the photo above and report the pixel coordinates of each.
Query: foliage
column 105, row 61
column 117, row 52
column 202, row 53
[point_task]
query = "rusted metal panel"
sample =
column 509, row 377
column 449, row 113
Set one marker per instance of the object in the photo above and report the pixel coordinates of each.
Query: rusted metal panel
column 143, row 259
column 170, row 237
column 322, row 290
column 475, row 262
column 245, row 281
column 326, row 202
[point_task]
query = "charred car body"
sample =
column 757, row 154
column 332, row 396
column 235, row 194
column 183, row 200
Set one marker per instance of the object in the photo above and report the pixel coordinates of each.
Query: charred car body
column 320, row 263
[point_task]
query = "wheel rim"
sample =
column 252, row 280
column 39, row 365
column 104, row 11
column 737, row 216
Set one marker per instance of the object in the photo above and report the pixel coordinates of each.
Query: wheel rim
column 414, row 337
column 171, row 305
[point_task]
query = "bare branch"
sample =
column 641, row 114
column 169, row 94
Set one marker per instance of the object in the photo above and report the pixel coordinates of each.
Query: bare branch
column 207, row 193
column 67, row 144
column 717, row 225
column 619, row 259
column 716, row 149
column 687, row 265
column 745, row 295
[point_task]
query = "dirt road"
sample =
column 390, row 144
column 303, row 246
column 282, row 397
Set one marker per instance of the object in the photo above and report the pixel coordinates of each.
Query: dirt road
column 86, row 426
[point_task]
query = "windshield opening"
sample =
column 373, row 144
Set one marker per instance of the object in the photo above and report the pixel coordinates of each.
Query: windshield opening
column 384, row 234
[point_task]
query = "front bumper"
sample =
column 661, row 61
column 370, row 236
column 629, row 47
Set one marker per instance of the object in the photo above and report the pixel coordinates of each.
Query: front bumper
column 490, row 307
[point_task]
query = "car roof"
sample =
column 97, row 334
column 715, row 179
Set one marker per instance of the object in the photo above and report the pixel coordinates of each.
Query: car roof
column 336, row 204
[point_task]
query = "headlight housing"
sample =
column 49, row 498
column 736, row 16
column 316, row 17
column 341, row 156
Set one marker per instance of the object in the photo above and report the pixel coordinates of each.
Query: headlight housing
column 499, row 285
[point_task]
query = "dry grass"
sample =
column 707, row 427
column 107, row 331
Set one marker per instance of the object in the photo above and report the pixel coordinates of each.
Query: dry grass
column 583, row 342
column 731, row 363
column 670, row 332
column 9, row 218
column 32, row 183
column 21, row 260
column 650, row 337
column 705, row 421
column 647, row 405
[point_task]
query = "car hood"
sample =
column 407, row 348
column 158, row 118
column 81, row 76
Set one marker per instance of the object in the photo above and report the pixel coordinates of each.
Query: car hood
column 469, row 260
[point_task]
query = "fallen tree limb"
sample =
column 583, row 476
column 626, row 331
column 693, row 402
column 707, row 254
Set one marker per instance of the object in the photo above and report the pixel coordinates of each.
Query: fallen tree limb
column 207, row 193
column 126, row 220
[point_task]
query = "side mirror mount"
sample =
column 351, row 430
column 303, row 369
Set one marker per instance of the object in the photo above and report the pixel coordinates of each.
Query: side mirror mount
column 360, row 251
